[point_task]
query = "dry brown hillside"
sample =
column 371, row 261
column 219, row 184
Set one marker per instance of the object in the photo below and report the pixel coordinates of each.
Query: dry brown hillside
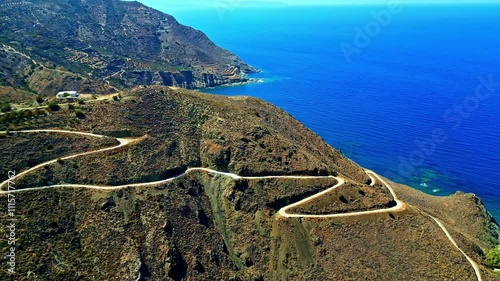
column 206, row 226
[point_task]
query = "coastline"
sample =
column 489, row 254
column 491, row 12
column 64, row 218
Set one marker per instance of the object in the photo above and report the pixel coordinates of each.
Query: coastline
column 243, row 82
column 431, row 189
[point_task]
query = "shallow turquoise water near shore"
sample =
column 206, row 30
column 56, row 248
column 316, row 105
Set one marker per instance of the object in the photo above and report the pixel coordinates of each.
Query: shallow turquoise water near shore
column 415, row 80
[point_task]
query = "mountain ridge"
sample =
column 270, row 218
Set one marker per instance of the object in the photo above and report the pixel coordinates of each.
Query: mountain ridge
column 108, row 44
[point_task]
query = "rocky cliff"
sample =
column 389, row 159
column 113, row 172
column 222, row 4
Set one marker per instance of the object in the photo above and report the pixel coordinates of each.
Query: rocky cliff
column 94, row 45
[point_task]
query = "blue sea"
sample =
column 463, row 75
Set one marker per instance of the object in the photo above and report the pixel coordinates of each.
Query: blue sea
column 410, row 93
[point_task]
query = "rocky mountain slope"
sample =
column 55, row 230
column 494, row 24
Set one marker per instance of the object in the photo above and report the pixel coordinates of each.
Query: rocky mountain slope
column 201, row 225
column 95, row 45
column 212, row 227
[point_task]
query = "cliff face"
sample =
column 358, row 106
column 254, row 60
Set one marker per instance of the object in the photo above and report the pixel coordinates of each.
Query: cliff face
column 110, row 42
column 203, row 226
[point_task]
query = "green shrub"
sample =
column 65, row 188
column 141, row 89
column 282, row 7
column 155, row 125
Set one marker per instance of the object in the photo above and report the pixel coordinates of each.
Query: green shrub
column 53, row 105
column 39, row 99
column 10, row 116
column 5, row 107
column 27, row 113
column 79, row 114
column 81, row 102
column 493, row 257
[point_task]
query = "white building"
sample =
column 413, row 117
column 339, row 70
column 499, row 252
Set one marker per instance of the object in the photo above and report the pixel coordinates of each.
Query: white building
column 67, row 95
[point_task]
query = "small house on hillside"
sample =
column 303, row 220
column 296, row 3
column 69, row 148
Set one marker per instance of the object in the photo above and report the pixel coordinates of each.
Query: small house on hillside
column 67, row 95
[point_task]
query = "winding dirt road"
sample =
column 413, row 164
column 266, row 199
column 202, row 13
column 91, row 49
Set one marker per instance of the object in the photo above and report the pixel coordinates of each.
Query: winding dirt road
column 282, row 212
column 471, row 261
column 152, row 184
column 123, row 142
column 399, row 205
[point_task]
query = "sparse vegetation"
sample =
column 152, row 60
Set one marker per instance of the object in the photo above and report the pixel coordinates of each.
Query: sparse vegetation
column 69, row 64
column 5, row 107
column 32, row 149
column 348, row 198
column 14, row 117
column 79, row 114
column 493, row 257
column 231, row 223
column 53, row 105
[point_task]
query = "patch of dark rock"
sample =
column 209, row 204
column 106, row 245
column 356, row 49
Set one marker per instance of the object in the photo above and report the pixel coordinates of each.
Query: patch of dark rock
column 178, row 268
column 199, row 267
column 108, row 205
column 214, row 258
column 203, row 218
column 171, row 149
column 196, row 189
column 237, row 205
column 392, row 203
column 241, row 185
column 186, row 210
column 168, row 228
column 144, row 273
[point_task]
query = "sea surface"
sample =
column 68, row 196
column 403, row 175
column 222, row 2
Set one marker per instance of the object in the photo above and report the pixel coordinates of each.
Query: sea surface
column 410, row 100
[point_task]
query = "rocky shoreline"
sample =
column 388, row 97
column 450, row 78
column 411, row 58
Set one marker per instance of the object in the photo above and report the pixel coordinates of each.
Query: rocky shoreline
column 246, row 81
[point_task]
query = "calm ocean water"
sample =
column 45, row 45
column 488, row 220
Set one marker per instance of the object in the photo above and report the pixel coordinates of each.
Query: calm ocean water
column 405, row 105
